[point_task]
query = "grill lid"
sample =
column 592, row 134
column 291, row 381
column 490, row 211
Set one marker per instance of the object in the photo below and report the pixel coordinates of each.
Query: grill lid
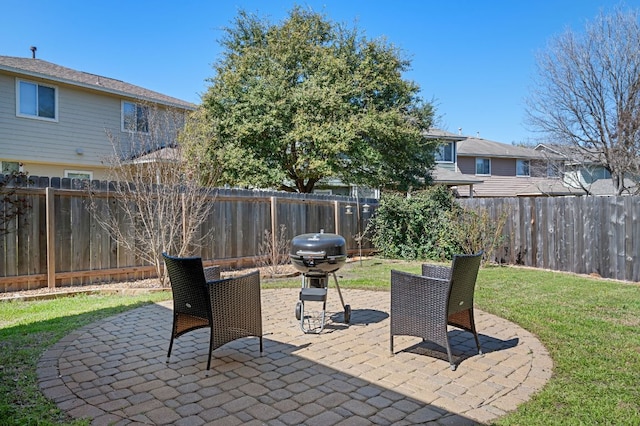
column 318, row 246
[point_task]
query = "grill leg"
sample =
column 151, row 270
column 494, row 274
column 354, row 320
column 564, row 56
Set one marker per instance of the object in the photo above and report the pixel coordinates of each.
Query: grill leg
column 335, row 279
column 314, row 289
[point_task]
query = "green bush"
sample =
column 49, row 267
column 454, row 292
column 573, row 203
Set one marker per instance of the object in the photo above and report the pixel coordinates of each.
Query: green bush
column 431, row 225
column 416, row 227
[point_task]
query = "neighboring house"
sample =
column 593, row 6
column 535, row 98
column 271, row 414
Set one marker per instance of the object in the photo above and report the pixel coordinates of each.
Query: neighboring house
column 493, row 169
column 582, row 172
column 55, row 121
column 446, row 171
column 506, row 170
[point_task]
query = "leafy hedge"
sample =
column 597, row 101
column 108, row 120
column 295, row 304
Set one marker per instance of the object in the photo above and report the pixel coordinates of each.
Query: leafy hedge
column 431, row 225
column 416, row 227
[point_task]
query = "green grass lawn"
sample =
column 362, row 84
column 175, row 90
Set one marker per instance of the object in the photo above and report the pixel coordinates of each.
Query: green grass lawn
column 590, row 327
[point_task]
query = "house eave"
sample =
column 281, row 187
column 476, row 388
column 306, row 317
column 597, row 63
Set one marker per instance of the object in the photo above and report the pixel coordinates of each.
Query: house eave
column 97, row 87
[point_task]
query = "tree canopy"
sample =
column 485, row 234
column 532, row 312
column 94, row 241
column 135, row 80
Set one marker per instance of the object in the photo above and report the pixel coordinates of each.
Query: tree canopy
column 308, row 99
column 587, row 94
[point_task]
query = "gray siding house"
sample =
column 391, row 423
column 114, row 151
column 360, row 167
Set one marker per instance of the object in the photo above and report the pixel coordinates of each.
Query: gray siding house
column 55, row 121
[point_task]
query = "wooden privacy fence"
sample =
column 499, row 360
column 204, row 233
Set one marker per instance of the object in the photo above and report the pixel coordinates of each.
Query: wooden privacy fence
column 58, row 241
column 585, row 235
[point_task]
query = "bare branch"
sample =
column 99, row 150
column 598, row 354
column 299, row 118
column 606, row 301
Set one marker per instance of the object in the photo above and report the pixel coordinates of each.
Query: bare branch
column 157, row 201
column 587, row 94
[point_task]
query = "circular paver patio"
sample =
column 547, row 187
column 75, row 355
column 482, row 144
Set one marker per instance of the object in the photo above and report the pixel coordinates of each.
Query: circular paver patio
column 114, row 371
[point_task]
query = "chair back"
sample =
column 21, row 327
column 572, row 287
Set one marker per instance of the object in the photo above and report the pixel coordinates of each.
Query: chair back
column 464, row 271
column 188, row 285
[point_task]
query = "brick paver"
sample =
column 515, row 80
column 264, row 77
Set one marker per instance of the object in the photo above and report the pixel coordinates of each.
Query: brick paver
column 114, row 371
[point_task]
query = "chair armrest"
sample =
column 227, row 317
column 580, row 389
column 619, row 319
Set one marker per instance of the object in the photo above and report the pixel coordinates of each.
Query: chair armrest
column 436, row 271
column 417, row 303
column 211, row 273
column 413, row 286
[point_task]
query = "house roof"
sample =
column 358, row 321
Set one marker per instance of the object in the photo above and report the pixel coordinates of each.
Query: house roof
column 486, row 148
column 571, row 153
column 549, row 188
column 443, row 135
column 50, row 71
column 450, row 177
column 162, row 155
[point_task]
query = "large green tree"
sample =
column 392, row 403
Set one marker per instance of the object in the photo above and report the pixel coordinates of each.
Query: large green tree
column 307, row 99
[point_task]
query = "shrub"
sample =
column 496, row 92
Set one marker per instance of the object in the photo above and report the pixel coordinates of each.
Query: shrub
column 476, row 230
column 416, row 227
column 274, row 252
column 431, row 225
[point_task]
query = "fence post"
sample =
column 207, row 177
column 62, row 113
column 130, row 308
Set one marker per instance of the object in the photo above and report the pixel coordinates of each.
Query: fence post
column 51, row 237
column 336, row 216
column 274, row 224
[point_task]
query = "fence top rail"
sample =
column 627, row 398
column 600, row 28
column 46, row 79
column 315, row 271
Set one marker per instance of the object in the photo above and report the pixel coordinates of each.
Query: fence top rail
column 74, row 186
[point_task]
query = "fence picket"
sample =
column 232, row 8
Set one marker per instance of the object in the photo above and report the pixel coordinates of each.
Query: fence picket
column 599, row 235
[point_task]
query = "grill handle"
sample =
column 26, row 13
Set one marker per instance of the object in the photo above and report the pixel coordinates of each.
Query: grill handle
column 311, row 254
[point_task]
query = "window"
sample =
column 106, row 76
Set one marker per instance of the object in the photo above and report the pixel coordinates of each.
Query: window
column 9, row 167
column 522, row 168
column 554, row 169
column 483, row 166
column 78, row 174
column 135, row 117
column 446, row 153
column 36, row 100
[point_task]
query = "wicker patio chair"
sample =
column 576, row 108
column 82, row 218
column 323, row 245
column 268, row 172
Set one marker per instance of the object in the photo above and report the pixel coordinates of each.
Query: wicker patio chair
column 230, row 307
column 423, row 305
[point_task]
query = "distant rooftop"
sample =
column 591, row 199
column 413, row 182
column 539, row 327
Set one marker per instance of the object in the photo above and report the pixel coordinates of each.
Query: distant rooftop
column 483, row 147
column 443, row 134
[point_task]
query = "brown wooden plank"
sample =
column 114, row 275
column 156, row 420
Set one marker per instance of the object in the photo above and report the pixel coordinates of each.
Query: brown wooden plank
column 80, row 235
column 63, row 230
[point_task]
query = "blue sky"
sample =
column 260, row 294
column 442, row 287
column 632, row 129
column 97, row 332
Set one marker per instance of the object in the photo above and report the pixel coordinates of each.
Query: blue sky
column 474, row 58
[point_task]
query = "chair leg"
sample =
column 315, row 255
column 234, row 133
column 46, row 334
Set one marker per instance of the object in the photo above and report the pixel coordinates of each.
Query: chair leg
column 391, row 344
column 473, row 330
column 478, row 343
column 170, row 346
column 210, row 349
column 448, row 346
column 173, row 333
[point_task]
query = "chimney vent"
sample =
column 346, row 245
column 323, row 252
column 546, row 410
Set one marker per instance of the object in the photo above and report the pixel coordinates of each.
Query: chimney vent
column 33, row 51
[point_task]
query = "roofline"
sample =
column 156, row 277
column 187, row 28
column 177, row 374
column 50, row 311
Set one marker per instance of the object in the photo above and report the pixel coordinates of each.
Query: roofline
column 457, row 182
column 486, row 155
column 97, row 87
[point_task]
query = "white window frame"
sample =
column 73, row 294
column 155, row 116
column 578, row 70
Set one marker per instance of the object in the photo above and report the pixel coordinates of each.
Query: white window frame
column 78, row 172
column 122, row 126
column 483, row 159
column 520, row 161
column 441, row 149
column 36, row 116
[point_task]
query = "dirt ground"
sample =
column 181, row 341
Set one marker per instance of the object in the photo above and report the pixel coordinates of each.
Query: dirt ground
column 124, row 287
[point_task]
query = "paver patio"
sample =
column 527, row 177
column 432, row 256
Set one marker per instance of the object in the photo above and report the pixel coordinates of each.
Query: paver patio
column 114, row 371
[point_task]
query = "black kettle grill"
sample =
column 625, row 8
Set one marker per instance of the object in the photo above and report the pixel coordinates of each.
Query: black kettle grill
column 316, row 256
